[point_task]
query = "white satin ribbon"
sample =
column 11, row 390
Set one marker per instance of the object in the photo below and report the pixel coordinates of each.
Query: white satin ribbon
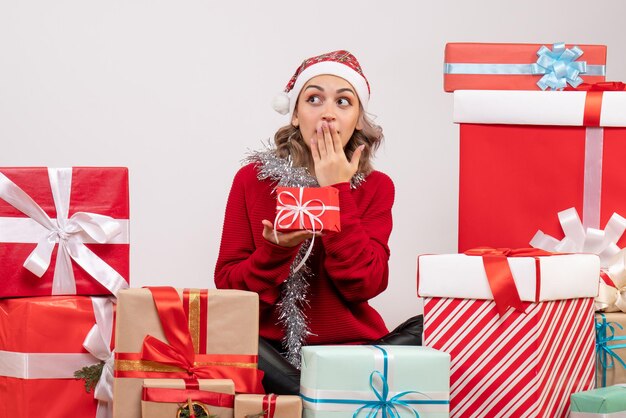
column 595, row 241
column 98, row 343
column 43, row 365
column 580, row 240
column 289, row 214
column 68, row 233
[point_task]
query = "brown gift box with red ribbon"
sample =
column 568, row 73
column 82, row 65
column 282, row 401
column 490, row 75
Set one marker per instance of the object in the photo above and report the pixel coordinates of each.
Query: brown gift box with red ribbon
column 163, row 398
column 192, row 334
column 526, row 156
column 268, row 406
column 312, row 208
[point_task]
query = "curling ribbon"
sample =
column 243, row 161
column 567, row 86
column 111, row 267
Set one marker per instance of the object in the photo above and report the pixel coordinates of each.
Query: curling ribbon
column 289, row 214
column 605, row 334
column 68, row 233
column 499, row 274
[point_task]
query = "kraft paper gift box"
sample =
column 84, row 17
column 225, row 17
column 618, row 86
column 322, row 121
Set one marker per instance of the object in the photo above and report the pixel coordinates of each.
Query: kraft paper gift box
column 509, row 362
column 533, row 161
column 43, row 342
column 310, row 208
column 508, row 66
column 63, row 231
column 184, row 334
column 162, row 398
column 611, row 348
column 344, row 381
column 268, row 406
column 609, row 402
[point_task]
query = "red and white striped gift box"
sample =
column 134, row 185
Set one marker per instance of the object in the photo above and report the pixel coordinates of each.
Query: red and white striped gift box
column 521, row 364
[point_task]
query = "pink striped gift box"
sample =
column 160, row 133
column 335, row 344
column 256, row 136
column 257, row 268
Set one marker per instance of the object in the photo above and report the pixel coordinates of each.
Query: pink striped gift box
column 523, row 363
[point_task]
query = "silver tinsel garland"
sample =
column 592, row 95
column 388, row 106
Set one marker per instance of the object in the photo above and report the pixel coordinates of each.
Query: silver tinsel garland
column 294, row 295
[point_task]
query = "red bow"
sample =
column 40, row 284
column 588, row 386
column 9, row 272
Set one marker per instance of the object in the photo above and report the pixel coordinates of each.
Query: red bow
column 499, row 274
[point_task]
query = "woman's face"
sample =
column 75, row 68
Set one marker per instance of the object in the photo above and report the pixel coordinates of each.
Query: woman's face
column 331, row 99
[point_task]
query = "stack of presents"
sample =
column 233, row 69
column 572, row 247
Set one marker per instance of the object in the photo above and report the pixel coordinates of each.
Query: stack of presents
column 527, row 320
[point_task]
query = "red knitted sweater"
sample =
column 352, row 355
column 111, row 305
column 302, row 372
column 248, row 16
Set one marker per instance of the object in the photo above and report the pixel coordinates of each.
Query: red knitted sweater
column 349, row 267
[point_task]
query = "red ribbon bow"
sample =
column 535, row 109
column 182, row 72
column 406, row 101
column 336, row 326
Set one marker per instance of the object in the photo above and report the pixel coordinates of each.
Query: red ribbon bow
column 499, row 274
column 593, row 101
column 180, row 352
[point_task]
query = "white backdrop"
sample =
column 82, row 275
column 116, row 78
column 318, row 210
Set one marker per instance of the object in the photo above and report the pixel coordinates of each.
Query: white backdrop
column 179, row 90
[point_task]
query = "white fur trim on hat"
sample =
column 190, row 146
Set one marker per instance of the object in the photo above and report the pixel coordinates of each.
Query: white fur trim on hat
column 331, row 68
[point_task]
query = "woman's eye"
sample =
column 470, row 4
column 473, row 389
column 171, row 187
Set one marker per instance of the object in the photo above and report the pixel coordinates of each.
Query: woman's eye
column 314, row 100
column 343, row 102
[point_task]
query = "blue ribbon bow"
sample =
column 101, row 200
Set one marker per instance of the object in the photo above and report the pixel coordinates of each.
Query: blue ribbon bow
column 559, row 67
column 605, row 354
column 387, row 406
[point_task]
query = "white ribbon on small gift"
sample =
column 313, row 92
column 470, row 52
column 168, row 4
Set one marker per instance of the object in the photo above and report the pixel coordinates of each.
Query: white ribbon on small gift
column 69, row 233
column 594, row 241
column 64, row 365
column 289, row 214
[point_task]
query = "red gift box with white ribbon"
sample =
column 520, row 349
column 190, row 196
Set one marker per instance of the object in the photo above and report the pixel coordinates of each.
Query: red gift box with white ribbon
column 525, row 156
column 63, row 231
column 315, row 209
column 43, row 342
column 525, row 361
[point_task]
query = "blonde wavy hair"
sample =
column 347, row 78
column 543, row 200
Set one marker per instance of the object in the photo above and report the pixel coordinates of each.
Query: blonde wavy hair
column 289, row 143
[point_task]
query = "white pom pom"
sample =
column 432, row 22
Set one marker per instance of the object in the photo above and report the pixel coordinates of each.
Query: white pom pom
column 281, row 103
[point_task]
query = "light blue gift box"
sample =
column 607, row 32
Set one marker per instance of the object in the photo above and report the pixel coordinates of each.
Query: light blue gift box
column 368, row 381
column 608, row 402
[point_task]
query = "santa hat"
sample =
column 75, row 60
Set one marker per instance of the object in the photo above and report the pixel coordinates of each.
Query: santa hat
column 339, row 63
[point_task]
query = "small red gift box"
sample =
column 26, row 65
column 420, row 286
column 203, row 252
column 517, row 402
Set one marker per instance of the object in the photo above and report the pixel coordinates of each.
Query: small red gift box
column 527, row 156
column 63, row 231
column 42, row 345
column 315, row 209
column 488, row 66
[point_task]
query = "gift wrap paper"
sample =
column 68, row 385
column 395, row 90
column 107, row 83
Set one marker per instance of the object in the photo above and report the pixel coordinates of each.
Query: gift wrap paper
column 231, row 328
column 526, row 156
column 337, row 381
column 94, row 190
column 522, row 363
column 283, row 406
column 506, row 66
column 609, row 402
column 615, row 373
column 215, row 390
column 310, row 208
column 41, row 346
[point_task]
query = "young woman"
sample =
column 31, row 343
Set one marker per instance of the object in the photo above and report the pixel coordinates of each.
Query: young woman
column 329, row 141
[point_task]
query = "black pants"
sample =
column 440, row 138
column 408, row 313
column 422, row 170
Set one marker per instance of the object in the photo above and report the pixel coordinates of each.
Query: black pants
column 282, row 378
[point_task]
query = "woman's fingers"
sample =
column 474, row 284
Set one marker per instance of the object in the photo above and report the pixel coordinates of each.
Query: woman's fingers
column 328, row 139
column 321, row 142
column 335, row 137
